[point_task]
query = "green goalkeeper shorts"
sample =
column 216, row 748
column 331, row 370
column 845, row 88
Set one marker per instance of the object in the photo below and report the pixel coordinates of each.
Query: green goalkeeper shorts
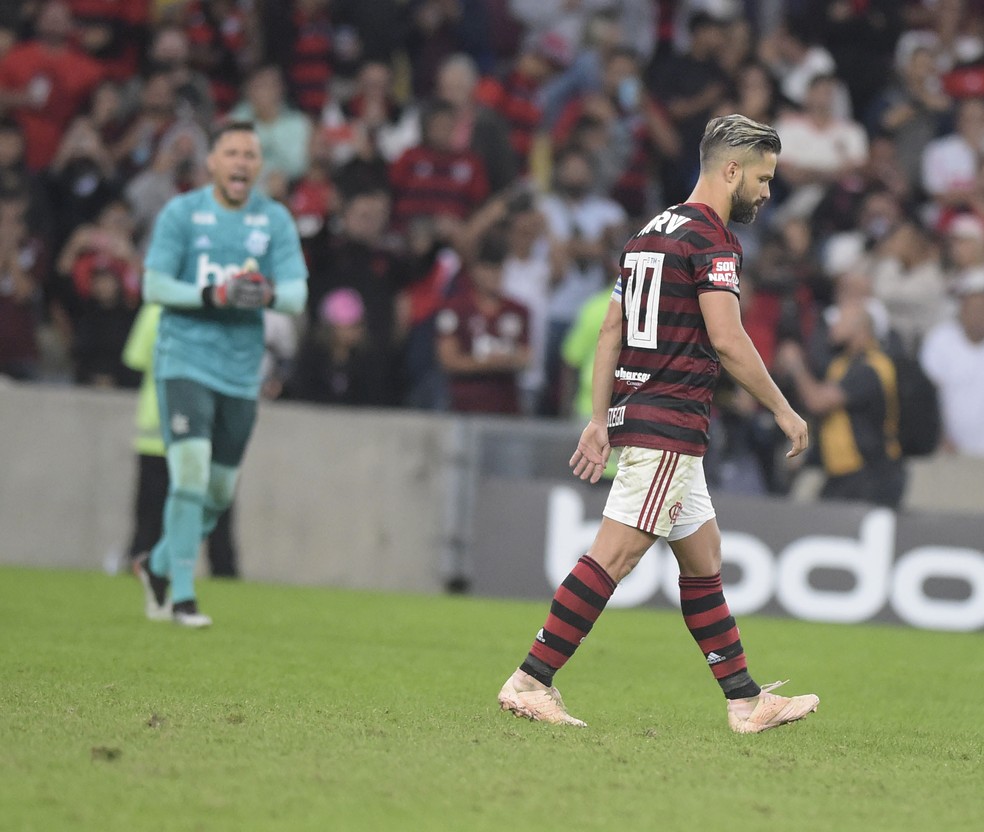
column 190, row 410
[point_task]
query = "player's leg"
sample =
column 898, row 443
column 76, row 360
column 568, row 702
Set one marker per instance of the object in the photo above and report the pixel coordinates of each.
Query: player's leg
column 187, row 414
column 634, row 514
column 696, row 543
column 234, row 421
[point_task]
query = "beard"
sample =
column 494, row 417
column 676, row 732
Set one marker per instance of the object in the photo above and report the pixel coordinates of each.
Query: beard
column 743, row 210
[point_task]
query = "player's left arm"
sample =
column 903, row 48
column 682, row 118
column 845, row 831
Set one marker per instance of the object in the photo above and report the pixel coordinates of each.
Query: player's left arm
column 288, row 270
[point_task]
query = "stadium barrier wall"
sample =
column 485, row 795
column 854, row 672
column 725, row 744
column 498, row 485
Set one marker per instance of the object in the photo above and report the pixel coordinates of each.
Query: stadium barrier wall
column 346, row 498
column 399, row 500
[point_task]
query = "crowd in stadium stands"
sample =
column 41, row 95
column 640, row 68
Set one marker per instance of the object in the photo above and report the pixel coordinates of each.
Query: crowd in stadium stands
column 464, row 173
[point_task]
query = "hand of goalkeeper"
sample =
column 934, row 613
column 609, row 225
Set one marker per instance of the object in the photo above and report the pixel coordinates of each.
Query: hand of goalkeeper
column 246, row 290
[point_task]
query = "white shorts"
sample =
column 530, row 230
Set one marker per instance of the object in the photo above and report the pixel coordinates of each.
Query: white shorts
column 663, row 493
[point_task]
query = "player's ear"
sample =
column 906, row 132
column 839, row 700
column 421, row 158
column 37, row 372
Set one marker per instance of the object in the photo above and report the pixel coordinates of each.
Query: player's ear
column 209, row 165
column 732, row 171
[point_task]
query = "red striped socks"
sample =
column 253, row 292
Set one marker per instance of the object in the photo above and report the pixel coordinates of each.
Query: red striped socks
column 710, row 622
column 576, row 606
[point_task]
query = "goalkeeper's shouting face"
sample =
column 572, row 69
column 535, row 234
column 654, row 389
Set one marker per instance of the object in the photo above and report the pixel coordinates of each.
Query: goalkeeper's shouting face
column 234, row 163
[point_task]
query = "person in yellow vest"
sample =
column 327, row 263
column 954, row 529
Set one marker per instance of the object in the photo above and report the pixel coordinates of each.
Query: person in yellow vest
column 152, row 476
column 857, row 404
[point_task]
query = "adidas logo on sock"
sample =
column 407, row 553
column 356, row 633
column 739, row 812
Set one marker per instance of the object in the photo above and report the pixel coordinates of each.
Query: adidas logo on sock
column 540, row 638
column 714, row 658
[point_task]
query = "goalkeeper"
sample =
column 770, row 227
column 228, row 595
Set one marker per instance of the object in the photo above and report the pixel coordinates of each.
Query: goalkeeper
column 218, row 256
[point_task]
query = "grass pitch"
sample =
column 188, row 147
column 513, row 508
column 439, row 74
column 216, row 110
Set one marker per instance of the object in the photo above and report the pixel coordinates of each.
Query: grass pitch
column 315, row 709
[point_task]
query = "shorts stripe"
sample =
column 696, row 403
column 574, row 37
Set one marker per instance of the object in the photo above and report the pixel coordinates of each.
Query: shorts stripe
column 657, row 496
column 656, row 482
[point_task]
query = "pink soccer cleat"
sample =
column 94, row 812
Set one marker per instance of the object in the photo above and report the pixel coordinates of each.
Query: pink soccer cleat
column 767, row 710
column 526, row 697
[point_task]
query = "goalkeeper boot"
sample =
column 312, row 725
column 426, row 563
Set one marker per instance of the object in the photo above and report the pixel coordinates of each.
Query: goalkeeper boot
column 526, row 697
column 767, row 710
column 157, row 607
column 187, row 614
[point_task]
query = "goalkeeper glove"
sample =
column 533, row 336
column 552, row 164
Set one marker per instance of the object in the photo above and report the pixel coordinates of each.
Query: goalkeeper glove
column 246, row 290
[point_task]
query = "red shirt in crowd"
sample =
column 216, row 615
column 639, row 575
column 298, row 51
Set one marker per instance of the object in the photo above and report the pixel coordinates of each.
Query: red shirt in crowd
column 482, row 330
column 428, row 182
column 60, row 80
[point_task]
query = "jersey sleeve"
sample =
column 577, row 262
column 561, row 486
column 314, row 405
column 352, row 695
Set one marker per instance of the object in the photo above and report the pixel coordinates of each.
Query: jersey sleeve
column 287, row 259
column 167, row 241
column 717, row 270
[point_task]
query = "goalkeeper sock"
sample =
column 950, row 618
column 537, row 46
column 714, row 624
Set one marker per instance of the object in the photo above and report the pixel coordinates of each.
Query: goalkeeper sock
column 710, row 622
column 576, row 605
column 183, row 536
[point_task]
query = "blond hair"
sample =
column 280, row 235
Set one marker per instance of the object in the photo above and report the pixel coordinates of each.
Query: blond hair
column 737, row 132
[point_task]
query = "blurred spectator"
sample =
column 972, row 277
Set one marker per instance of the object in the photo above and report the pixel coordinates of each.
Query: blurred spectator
column 857, row 402
column 44, row 82
column 371, row 115
column 756, row 93
column 783, row 285
column 338, row 361
column 795, row 58
column 22, row 268
column 284, row 133
column 93, row 250
column 178, row 166
column 18, row 183
column 224, row 41
column 357, row 256
column 639, row 140
column 101, row 329
column 691, row 86
column 950, row 164
column 861, row 38
column 483, row 338
column 912, row 110
column 964, row 243
column 146, row 128
column 476, row 127
column 591, row 229
column 516, row 97
column 909, row 279
column 377, row 29
column 305, row 48
column 114, row 33
column 279, row 352
column 953, row 357
column 534, row 260
column 82, row 178
column 435, row 179
column 170, row 54
column 434, row 35
column 819, row 148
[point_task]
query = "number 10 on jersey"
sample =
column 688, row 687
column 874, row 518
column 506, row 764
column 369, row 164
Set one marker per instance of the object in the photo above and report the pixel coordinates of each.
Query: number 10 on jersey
column 641, row 275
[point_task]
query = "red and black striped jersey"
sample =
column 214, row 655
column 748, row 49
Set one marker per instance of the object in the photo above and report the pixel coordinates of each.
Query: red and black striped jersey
column 667, row 368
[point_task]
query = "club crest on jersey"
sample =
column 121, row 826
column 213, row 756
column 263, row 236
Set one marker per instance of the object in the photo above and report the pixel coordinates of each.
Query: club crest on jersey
column 724, row 272
column 257, row 242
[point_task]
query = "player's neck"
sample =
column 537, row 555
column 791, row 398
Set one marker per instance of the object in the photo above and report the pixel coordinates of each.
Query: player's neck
column 222, row 202
column 706, row 194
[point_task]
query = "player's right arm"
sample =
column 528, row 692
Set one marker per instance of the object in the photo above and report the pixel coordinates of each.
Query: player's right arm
column 163, row 261
column 738, row 355
column 593, row 448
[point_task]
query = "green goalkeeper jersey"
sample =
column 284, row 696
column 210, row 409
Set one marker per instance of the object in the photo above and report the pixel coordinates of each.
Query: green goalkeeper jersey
column 196, row 241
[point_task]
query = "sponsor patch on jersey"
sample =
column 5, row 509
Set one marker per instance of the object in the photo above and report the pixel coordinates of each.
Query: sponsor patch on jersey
column 256, row 219
column 724, row 272
column 203, row 218
column 257, row 242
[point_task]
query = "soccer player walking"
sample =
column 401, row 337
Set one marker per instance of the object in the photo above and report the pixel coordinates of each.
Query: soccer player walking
column 218, row 256
column 672, row 323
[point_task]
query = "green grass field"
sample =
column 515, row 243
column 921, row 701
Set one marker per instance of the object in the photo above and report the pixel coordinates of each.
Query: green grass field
column 316, row 709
